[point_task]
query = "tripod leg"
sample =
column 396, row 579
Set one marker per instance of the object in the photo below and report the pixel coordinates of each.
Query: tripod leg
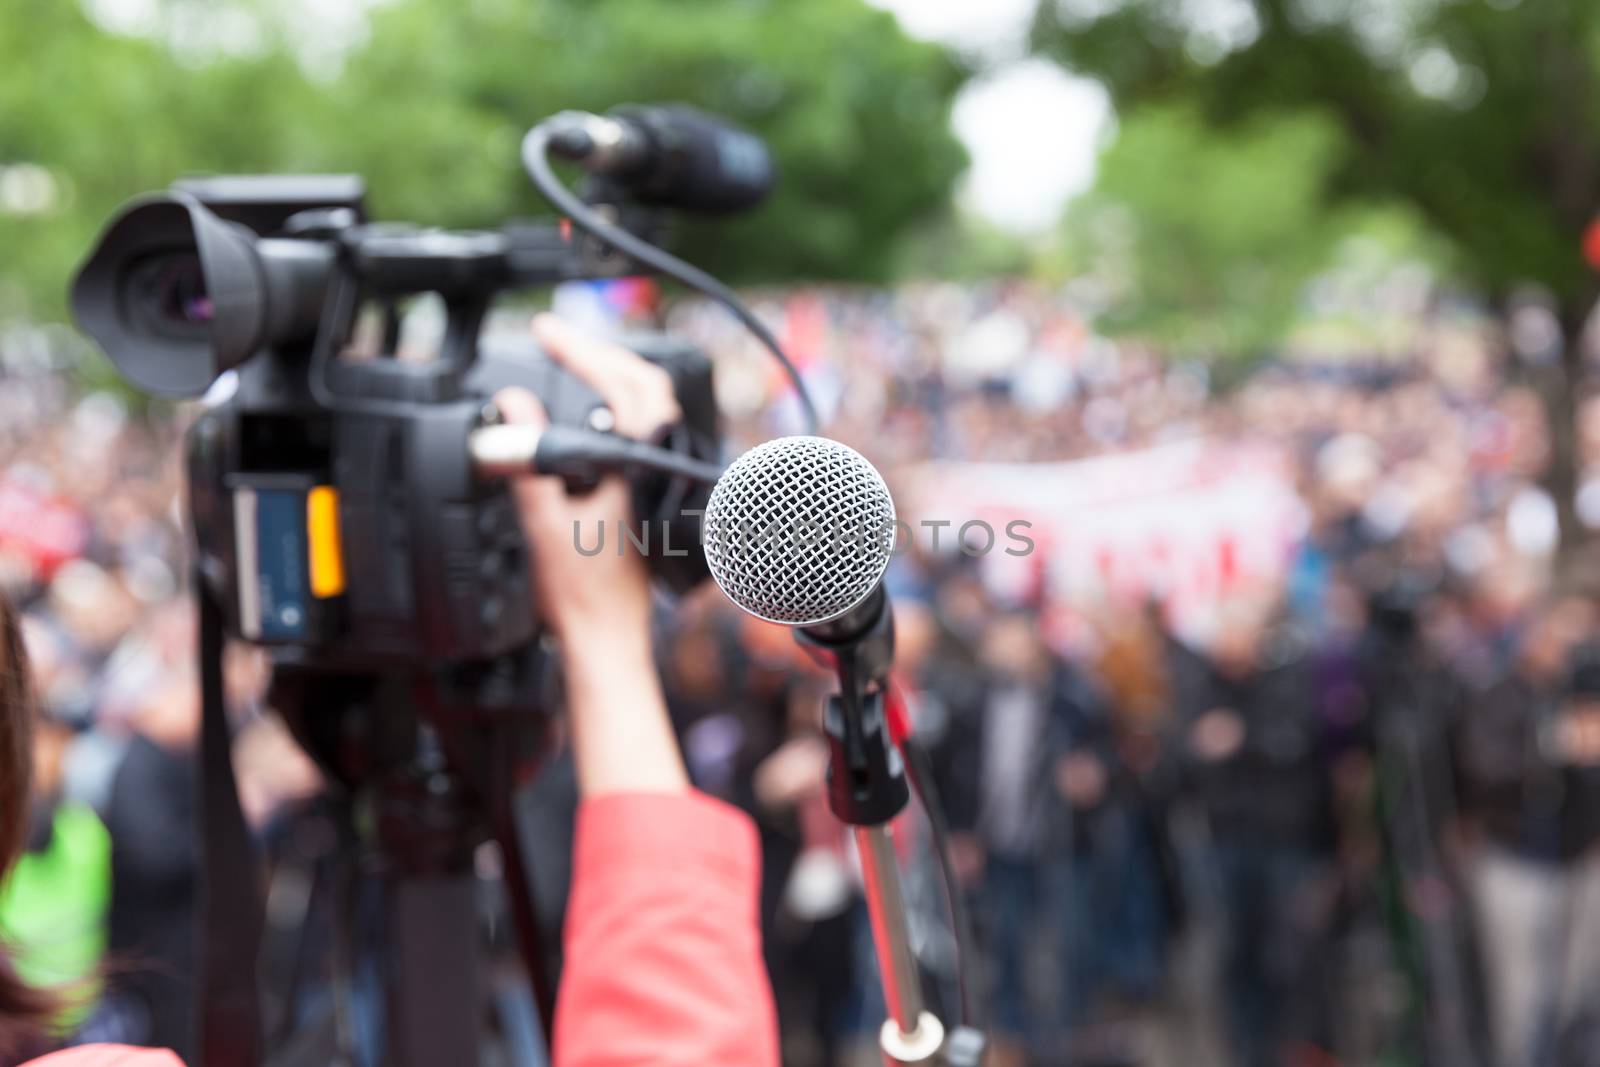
column 303, row 958
column 524, row 915
column 436, row 971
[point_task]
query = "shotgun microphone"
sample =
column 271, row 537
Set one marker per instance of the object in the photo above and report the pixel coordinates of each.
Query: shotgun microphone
column 669, row 156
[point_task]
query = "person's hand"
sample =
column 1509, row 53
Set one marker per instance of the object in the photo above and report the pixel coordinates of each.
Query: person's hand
column 583, row 595
column 797, row 768
column 967, row 858
column 1217, row 735
column 1081, row 779
column 598, row 604
column 1578, row 737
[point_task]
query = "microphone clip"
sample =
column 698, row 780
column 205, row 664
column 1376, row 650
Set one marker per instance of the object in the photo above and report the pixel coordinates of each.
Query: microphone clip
column 866, row 772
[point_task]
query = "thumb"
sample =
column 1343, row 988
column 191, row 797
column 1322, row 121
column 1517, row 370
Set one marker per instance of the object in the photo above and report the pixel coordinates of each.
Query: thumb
column 518, row 406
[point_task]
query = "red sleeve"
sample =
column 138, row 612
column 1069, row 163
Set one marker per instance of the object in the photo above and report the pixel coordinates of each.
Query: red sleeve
column 107, row 1056
column 663, row 941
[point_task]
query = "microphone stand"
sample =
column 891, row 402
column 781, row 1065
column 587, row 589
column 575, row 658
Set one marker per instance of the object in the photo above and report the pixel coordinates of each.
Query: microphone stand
column 866, row 790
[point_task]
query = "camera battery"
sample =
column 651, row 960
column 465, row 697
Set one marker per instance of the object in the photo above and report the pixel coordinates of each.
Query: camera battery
column 290, row 561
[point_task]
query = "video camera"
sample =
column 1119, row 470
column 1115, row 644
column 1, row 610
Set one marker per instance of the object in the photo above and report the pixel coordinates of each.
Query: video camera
column 336, row 508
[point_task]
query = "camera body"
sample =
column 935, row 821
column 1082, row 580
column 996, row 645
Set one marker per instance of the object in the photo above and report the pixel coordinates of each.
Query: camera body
column 336, row 513
column 364, row 536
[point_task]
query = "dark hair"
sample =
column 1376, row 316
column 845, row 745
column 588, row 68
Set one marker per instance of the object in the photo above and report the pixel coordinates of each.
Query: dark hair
column 25, row 1012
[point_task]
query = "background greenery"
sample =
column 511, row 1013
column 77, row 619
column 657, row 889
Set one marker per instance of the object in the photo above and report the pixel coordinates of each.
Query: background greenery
column 1255, row 140
column 1475, row 121
column 432, row 99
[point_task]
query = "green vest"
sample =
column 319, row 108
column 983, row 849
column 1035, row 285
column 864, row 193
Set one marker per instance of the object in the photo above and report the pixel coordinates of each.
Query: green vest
column 53, row 905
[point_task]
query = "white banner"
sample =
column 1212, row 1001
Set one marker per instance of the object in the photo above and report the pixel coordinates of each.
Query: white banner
column 1190, row 523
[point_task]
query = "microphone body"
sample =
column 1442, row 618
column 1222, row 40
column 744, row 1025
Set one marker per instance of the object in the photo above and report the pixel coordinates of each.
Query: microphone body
column 866, row 631
column 670, row 156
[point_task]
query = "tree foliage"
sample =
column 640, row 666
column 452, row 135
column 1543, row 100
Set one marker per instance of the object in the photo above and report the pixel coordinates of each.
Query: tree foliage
column 856, row 113
column 1205, row 239
column 431, row 102
column 1478, row 113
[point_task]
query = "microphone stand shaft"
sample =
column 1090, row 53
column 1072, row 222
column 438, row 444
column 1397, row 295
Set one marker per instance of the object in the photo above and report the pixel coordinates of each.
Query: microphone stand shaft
column 886, row 907
column 867, row 789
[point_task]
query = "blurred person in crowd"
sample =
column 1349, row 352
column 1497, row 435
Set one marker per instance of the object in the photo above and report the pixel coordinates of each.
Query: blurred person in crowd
column 154, row 868
column 1029, row 763
column 1398, row 803
column 91, row 608
column 814, row 910
column 29, row 1015
column 1529, row 755
column 1255, row 760
column 1335, row 484
column 1136, row 897
column 53, row 904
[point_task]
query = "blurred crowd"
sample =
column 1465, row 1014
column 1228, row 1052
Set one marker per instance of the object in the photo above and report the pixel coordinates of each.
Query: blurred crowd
column 1353, row 823
column 92, row 551
column 1358, row 822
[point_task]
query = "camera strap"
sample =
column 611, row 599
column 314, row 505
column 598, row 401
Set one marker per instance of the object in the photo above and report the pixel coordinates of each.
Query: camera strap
column 232, row 912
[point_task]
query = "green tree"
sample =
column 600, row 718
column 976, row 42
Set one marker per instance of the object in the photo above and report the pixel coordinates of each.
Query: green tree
column 1205, row 239
column 857, row 114
column 430, row 106
column 103, row 116
column 1478, row 114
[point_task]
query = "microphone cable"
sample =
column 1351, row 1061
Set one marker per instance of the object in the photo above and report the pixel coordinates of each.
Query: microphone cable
column 576, row 454
column 536, row 160
column 567, row 451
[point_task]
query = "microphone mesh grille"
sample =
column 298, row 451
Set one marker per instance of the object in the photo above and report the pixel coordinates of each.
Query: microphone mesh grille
column 799, row 530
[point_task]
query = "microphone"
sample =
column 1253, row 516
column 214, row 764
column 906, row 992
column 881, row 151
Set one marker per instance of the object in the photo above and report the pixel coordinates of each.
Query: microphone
column 799, row 531
column 669, row 156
